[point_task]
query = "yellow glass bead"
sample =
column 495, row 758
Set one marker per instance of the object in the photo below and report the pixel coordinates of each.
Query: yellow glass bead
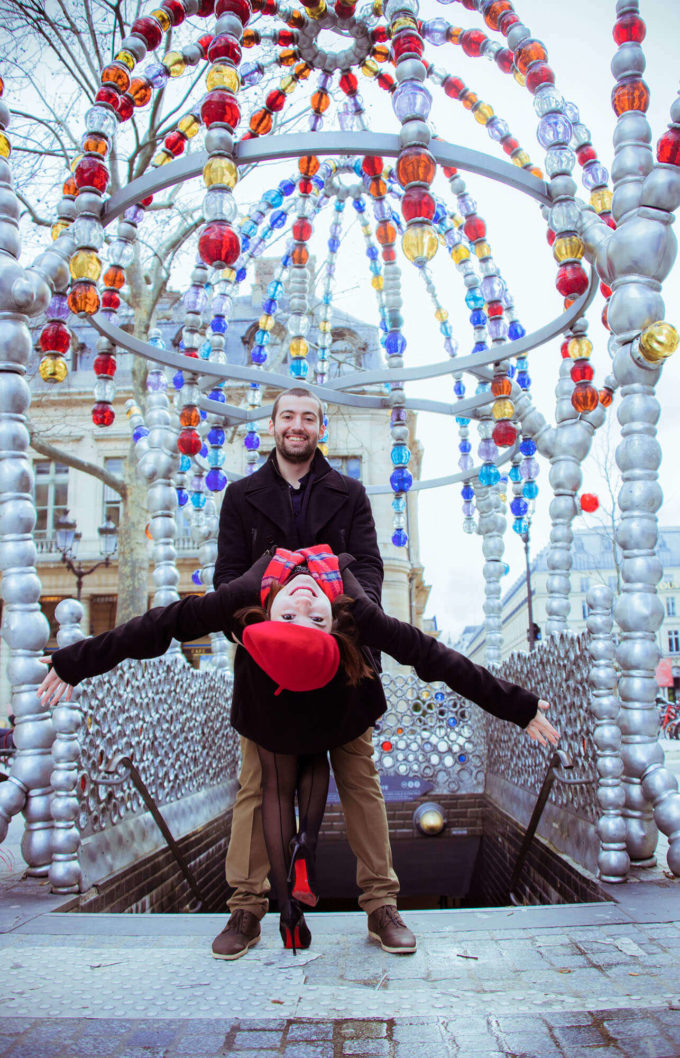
column 53, row 369
column 127, row 59
column 325, row 326
column 377, row 282
column 174, row 63
column 521, row 158
column 403, row 22
column 568, row 248
column 188, row 125
column 323, row 448
column 658, row 341
column 460, row 253
column 132, row 409
column 377, row 8
column 229, row 274
column 601, row 200
column 162, row 158
column 580, row 348
column 483, row 113
column 56, row 229
column 503, row 496
column 220, row 170
column 287, row 84
column 441, row 315
column 162, row 18
column 370, row 68
column 85, row 265
column 5, row 146
column 503, row 409
column 75, row 161
column 298, row 347
column 266, row 322
column 482, row 249
column 318, row 11
column 222, row 76
column 420, row 243
column 519, row 77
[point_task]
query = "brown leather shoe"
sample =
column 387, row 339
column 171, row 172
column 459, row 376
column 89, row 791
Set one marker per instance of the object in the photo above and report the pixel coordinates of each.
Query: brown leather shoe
column 386, row 925
column 241, row 932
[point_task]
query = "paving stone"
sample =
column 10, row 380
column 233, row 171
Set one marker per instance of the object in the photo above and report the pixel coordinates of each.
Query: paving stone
column 363, row 1029
column 366, row 1047
column 310, row 1030
column 532, row 1043
column 244, row 1040
column 571, row 1036
column 250, row 1024
column 303, row 1049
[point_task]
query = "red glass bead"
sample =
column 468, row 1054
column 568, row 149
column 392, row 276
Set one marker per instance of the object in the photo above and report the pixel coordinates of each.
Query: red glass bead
column 605, row 317
column 507, row 21
column 189, row 442
column 90, row 172
column 571, row 279
column 630, row 94
column 494, row 12
column 105, row 365
column 609, row 220
column 564, row 349
column 175, row 9
column 668, row 147
column 494, row 308
column 205, row 43
column 55, row 338
column 582, row 371
column 103, row 414
column 110, row 300
column 454, row 87
column 308, row 164
column 372, row 165
column 379, row 34
column 509, row 145
column 417, row 204
column 586, row 154
column 126, row 107
column 205, row 8
column 260, row 123
column 389, row 253
column 302, row 230
column 386, row 746
column 175, row 142
column 407, row 43
column 305, row 186
column 225, row 46
column 109, row 96
column 221, row 106
column 539, row 73
column 471, row 5
column 343, row 10
column 349, row 83
column 275, row 100
column 83, row 298
column 149, row 30
column 415, row 165
column 299, row 255
column 505, row 60
column 471, row 41
column 385, row 81
column 218, row 244
column 550, row 236
column 286, row 37
column 114, row 277
column 585, row 397
column 606, row 397
column 605, row 290
column 629, row 28
column 386, row 233
column 589, row 502
column 474, row 228
column 504, row 434
column 529, row 51
column 240, row 8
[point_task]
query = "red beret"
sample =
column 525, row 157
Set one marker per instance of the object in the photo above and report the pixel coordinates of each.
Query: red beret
column 296, row 657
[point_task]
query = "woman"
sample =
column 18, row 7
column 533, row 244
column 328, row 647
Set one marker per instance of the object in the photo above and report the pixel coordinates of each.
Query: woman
column 298, row 690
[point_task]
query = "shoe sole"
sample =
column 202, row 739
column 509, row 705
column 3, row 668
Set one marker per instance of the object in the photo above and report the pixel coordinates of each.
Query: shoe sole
column 392, row 951
column 238, row 954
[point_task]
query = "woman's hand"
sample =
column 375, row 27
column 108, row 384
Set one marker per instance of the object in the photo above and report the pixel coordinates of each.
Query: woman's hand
column 540, row 729
column 52, row 689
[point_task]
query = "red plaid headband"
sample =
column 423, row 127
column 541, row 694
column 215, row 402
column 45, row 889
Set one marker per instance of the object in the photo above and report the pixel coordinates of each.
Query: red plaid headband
column 322, row 563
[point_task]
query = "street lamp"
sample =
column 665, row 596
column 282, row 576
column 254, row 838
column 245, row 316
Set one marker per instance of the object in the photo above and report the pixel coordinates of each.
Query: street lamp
column 67, row 543
column 532, row 631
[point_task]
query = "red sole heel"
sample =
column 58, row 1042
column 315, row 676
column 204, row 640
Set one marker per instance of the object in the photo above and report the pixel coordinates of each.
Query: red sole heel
column 292, row 939
column 301, row 889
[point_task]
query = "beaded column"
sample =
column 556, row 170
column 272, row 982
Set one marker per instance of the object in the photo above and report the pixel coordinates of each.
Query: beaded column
column 67, row 717
column 613, row 861
column 491, row 528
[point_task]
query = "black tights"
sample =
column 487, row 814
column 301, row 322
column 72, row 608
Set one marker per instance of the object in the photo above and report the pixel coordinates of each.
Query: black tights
column 283, row 776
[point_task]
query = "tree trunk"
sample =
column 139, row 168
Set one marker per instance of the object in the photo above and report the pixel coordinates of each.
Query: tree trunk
column 133, row 560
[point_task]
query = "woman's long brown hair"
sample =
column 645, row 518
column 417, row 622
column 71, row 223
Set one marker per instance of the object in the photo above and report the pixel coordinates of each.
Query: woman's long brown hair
column 343, row 629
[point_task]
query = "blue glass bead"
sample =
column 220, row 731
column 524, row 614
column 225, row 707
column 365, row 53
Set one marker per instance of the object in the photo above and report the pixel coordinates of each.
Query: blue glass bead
column 411, row 99
column 489, row 474
column 594, row 175
column 249, row 229
column 395, row 343
column 452, row 721
column 178, row 379
column 514, row 473
column 262, row 337
column 219, row 325
column 218, row 395
column 554, row 128
column 468, row 509
column 245, row 243
column 474, row 299
column 401, row 480
column 334, row 245
column 462, row 421
column 400, row 538
column 459, row 390
column 445, row 329
column 479, row 347
column 241, row 275
column 527, row 446
column 451, row 347
column 520, row 526
column 198, row 499
column 374, row 267
column 251, row 73
column 205, row 349
column 523, row 380
column 139, row 432
column 530, row 490
column 273, row 198
column 512, row 370
column 216, row 435
column 522, row 363
column 197, row 578
column 462, row 757
column 216, row 479
column 400, row 455
column 182, row 497
column 519, row 507
column 157, row 74
column 467, row 492
column 483, row 387
column 464, row 446
column 299, row 368
column 204, row 449
column 286, row 260
column 327, row 299
column 317, row 181
column 269, row 306
column 399, row 504
column 252, row 442
column 439, row 213
column 286, row 187
column 184, row 464
column 258, row 355
column 275, row 288
column 359, row 204
column 515, row 331
column 478, row 318
column 372, row 252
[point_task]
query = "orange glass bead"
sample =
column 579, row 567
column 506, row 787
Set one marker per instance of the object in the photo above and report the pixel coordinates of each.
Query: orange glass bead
column 83, row 298
column 501, row 387
column 386, row 233
column 261, row 122
column 494, row 12
column 287, row 56
column 94, row 144
column 2, row 86
column 116, row 74
column 302, row 71
column 468, row 99
column 250, row 38
column 300, row 255
column 377, row 187
column 585, row 397
column 190, row 416
column 141, row 91
column 308, row 164
column 70, row 188
column 630, row 94
column 114, row 277
column 606, row 397
column 296, row 20
column 529, row 51
column 415, row 166
column 380, row 53
column 320, row 102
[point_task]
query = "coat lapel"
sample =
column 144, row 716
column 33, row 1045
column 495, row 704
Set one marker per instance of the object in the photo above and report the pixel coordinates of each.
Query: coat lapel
column 269, row 496
column 328, row 497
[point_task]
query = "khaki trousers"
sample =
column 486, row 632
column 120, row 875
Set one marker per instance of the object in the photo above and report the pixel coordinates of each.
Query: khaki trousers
column 358, row 784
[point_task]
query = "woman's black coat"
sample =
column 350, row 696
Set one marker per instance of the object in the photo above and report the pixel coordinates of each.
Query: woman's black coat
column 297, row 722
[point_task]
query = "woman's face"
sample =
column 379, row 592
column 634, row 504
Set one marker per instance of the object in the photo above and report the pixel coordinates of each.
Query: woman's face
column 302, row 602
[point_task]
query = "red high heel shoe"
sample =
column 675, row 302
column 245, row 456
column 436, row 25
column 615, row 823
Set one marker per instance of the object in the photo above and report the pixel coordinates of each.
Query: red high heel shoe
column 294, row 930
column 301, row 876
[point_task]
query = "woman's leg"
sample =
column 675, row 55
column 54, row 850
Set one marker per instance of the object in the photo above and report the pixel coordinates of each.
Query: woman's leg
column 313, row 775
column 279, row 784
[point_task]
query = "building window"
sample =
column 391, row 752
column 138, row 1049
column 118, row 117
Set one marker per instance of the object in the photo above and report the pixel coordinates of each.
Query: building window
column 670, row 606
column 585, row 609
column 674, row 640
column 102, row 613
column 349, row 465
column 51, row 494
column 113, row 501
column 585, row 583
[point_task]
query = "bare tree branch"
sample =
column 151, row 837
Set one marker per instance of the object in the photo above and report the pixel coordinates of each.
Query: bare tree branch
column 59, row 455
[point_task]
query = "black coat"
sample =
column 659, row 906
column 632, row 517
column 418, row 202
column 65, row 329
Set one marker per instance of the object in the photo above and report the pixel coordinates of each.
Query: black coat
column 294, row 722
column 257, row 516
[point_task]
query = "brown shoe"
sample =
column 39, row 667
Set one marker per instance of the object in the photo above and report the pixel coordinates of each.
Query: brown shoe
column 241, row 932
column 386, row 925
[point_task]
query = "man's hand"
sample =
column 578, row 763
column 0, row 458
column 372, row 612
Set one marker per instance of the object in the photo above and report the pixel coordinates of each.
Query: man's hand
column 52, row 689
column 540, row 729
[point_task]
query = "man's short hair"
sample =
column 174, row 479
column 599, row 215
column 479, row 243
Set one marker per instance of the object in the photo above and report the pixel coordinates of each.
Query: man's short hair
column 297, row 391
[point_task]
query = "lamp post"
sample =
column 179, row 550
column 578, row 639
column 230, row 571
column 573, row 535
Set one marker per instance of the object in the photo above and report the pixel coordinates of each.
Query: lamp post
column 531, row 632
column 67, row 544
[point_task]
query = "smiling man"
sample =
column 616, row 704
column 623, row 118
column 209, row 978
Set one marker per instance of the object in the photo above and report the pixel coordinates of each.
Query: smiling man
column 296, row 500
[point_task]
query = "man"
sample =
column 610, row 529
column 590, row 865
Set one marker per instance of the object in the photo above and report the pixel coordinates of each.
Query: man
column 295, row 500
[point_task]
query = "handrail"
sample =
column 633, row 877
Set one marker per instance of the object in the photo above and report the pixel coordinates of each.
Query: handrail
column 140, row 785
column 559, row 759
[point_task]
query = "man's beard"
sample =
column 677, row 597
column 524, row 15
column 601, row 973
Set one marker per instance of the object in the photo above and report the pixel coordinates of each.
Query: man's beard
column 296, row 455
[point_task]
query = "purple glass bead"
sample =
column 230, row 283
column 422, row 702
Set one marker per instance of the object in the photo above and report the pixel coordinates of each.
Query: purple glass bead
column 529, row 468
column 435, row 30
column 493, row 288
column 487, row 450
column 134, row 214
column 157, row 74
column 468, row 509
column 195, row 299
column 58, row 307
column 156, row 382
column 498, row 328
column 398, row 415
column 411, row 100
column 465, row 463
column 467, row 205
column 553, row 129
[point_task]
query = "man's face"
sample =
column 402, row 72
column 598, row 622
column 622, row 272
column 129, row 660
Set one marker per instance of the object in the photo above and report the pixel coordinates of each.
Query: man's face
column 297, row 428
